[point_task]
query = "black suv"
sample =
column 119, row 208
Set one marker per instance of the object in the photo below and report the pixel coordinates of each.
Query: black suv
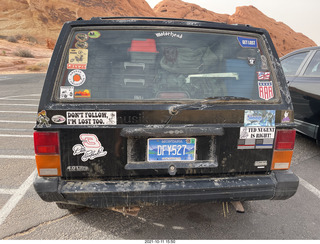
column 141, row 111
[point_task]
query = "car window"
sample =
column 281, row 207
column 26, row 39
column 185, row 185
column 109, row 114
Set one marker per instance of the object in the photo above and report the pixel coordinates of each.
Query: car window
column 291, row 64
column 147, row 64
column 313, row 68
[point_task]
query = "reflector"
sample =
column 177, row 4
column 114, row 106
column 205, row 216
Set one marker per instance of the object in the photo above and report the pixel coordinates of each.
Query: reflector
column 281, row 160
column 48, row 165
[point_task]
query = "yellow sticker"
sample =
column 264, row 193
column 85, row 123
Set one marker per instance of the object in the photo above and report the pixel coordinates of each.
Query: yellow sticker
column 78, row 56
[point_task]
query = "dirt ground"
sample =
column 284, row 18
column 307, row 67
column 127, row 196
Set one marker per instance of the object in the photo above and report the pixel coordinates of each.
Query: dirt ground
column 12, row 63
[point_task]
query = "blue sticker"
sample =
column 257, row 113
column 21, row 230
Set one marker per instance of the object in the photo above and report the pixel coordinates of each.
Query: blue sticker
column 259, row 117
column 248, row 42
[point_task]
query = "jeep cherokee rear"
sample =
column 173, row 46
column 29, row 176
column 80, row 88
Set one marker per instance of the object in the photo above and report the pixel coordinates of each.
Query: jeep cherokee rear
column 148, row 110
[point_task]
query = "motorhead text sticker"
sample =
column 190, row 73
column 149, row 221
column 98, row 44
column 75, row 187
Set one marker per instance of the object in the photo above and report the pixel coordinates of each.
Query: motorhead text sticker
column 91, row 147
column 76, row 77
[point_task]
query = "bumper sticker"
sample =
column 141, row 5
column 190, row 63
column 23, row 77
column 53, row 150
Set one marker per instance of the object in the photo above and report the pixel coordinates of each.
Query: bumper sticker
column 90, row 147
column 257, row 132
column 255, row 143
column 91, row 118
column 259, row 117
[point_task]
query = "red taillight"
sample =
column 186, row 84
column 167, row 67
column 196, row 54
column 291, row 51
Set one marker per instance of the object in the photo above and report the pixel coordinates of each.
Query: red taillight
column 46, row 142
column 46, row 147
column 285, row 139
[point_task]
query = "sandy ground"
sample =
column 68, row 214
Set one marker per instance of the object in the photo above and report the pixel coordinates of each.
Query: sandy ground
column 10, row 63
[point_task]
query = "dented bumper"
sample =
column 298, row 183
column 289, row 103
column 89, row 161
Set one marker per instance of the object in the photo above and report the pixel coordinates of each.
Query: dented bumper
column 100, row 194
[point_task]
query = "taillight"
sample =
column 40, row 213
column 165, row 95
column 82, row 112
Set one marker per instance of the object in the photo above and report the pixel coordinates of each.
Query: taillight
column 46, row 147
column 285, row 139
column 283, row 149
column 46, row 142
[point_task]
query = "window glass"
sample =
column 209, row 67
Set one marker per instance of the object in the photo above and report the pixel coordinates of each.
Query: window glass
column 313, row 68
column 291, row 64
column 135, row 65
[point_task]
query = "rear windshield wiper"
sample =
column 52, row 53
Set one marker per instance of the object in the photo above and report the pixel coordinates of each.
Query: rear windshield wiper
column 200, row 105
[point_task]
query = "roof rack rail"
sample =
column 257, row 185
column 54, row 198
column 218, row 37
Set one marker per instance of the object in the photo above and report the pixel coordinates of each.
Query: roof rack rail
column 142, row 17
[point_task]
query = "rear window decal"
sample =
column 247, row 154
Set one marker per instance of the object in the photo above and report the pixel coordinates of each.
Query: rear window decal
column 76, row 77
column 259, row 117
column 90, row 147
column 82, row 37
column 169, row 33
column 263, row 75
column 257, row 132
column 81, row 45
column 265, row 90
column 78, row 59
column 86, row 93
column 42, row 119
column 248, row 42
column 91, row 118
column 94, row 34
column 66, row 92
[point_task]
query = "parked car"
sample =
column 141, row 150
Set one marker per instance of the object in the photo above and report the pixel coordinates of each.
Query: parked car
column 302, row 71
column 141, row 111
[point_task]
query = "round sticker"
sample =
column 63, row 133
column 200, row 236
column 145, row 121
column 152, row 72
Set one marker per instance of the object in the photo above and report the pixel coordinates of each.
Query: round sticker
column 82, row 37
column 94, row 34
column 76, row 77
column 81, row 45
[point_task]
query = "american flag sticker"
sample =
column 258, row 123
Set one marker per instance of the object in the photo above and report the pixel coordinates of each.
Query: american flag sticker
column 263, row 75
column 265, row 90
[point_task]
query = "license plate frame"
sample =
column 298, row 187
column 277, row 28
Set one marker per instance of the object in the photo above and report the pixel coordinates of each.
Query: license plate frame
column 171, row 149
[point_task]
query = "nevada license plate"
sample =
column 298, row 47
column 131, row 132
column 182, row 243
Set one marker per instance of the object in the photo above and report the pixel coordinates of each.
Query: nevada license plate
column 171, row 149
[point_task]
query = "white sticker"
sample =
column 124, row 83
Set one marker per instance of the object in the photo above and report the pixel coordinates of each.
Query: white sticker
column 76, row 77
column 66, row 92
column 257, row 132
column 91, row 118
column 90, row 147
column 58, row 119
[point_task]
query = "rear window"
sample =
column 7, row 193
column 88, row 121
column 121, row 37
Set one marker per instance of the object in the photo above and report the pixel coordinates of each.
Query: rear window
column 163, row 64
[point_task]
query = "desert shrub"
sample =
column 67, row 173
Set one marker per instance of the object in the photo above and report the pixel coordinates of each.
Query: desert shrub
column 12, row 39
column 23, row 53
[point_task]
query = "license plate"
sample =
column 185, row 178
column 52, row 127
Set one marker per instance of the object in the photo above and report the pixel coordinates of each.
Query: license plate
column 171, row 149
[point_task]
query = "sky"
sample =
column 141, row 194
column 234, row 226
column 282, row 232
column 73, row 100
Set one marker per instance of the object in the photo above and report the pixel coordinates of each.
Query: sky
column 300, row 15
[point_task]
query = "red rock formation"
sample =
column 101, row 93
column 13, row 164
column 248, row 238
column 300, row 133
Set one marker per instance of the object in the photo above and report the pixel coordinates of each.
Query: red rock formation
column 285, row 39
column 43, row 19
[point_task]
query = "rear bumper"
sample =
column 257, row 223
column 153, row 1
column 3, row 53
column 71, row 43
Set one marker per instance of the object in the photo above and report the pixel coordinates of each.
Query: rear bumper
column 278, row 185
